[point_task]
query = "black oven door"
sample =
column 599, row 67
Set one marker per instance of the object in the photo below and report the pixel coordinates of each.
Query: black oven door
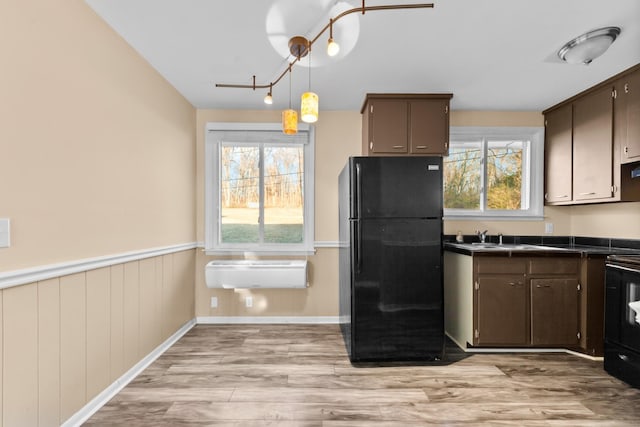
column 622, row 321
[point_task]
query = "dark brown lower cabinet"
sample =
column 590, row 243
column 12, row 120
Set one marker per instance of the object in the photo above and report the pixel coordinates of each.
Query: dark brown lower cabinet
column 502, row 308
column 526, row 302
column 554, row 312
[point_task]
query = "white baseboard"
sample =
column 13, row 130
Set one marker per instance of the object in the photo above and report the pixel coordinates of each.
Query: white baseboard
column 107, row 394
column 523, row 350
column 217, row 320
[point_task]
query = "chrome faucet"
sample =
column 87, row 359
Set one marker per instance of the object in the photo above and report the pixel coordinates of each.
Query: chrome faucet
column 482, row 235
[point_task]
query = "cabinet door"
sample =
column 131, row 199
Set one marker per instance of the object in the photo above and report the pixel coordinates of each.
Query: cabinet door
column 501, row 311
column 593, row 146
column 429, row 126
column 388, row 126
column 628, row 116
column 558, row 156
column 554, row 312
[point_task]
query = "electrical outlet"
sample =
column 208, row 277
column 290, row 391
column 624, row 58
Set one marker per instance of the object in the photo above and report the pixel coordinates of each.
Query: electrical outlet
column 214, row 302
column 548, row 228
column 5, row 233
column 248, row 301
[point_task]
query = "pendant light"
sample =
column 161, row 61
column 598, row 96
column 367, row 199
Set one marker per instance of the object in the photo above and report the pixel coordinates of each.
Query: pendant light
column 268, row 99
column 332, row 47
column 309, row 101
column 290, row 116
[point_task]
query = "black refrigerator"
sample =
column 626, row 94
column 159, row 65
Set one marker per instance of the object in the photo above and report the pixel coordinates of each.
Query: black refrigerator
column 390, row 262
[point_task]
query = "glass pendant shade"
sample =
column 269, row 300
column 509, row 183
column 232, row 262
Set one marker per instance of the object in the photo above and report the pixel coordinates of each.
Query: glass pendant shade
column 309, row 107
column 332, row 48
column 290, row 122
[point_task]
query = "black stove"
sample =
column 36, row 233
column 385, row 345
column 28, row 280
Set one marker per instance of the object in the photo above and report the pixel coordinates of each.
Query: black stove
column 622, row 318
column 626, row 260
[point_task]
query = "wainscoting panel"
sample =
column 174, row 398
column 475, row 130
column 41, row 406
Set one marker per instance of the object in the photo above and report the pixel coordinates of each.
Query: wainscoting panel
column 73, row 344
column 116, row 323
column 66, row 340
column 49, row 352
column 20, row 358
column 131, row 314
column 98, row 333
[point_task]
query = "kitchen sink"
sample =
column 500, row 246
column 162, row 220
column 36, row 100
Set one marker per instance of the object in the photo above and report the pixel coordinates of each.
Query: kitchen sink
column 509, row 246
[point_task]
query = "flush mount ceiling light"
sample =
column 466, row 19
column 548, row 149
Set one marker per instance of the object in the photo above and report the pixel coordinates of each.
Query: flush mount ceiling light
column 587, row 47
column 299, row 47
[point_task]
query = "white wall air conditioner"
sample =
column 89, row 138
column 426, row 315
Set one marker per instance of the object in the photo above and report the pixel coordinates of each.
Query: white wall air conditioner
column 256, row 274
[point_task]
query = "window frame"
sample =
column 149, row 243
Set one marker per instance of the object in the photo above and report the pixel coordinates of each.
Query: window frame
column 214, row 139
column 533, row 178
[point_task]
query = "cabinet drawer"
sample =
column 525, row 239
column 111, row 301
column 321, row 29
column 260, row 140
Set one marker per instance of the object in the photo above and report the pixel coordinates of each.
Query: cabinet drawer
column 554, row 266
column 500, row 265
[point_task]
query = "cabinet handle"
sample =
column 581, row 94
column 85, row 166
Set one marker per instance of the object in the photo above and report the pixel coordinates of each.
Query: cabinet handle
column 421, row 147
column 398, row 146
column 588, row 194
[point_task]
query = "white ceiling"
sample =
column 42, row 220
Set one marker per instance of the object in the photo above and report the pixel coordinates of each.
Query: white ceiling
column 491, row 54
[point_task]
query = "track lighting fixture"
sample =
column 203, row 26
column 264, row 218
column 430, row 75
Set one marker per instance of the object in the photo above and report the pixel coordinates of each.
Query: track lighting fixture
column 299, row 47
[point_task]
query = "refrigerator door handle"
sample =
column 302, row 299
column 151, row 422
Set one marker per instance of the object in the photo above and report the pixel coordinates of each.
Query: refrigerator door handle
column 358, row 191
column 358, row 247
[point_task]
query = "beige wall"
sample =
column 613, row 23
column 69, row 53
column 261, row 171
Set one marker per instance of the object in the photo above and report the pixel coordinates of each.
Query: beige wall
column 97, row 158
column 97, row 149
column 337, row 137
column 615, row 220
column 558, row 216
column 618, row 220
column 66, row 339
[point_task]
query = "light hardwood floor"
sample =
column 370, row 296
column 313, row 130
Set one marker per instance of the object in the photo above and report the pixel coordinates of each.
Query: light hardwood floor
column 299, row 375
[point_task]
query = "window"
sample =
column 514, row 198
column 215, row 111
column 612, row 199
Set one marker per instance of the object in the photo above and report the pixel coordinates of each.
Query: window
column 494, row 172
column 259, row 189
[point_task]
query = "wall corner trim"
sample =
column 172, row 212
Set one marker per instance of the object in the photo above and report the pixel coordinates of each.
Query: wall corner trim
column 107, row 394
column 49, row 271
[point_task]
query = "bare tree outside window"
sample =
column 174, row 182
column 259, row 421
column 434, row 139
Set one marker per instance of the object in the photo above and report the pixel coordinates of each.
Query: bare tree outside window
column 262, row 198
column 484, row 175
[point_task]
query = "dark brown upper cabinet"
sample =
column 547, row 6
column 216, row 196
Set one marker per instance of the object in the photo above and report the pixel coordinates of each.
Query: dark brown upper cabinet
column 558, row 156
column 627, row 123
column 593, row 146
column 405, row 124
column 592, row 142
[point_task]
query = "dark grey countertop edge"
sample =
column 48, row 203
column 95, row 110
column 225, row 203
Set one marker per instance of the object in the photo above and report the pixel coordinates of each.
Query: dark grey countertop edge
column 559, row 250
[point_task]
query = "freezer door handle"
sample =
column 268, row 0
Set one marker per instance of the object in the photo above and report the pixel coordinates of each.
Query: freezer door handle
column 358, row 191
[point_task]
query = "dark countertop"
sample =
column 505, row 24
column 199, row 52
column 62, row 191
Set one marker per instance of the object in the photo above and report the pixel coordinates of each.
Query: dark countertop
column 509, row 250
